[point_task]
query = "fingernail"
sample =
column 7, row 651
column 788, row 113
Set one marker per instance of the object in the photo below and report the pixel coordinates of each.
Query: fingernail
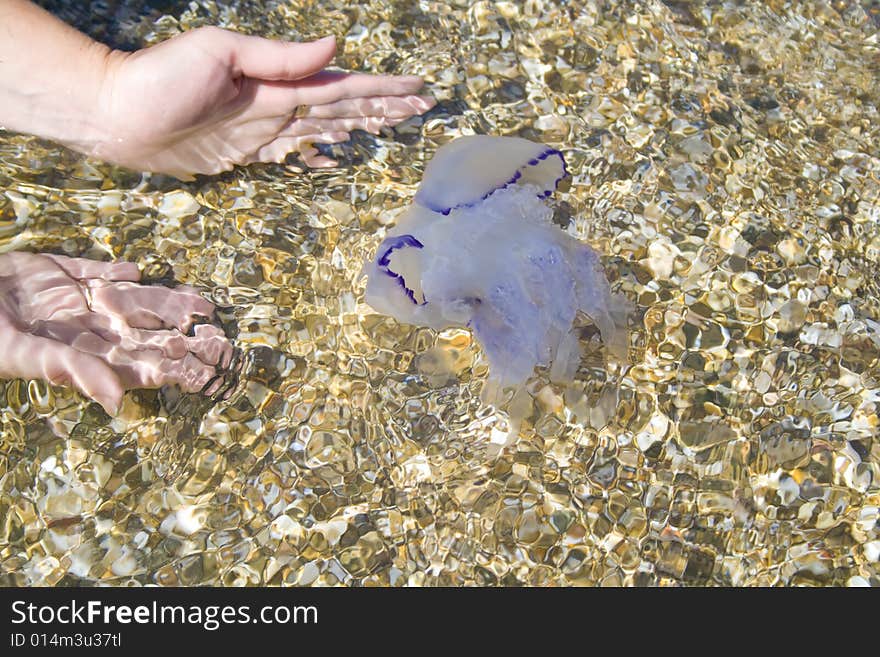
column 326, row 38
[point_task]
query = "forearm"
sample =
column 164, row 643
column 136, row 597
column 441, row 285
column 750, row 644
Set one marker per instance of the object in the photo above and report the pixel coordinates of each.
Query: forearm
column 51, row 76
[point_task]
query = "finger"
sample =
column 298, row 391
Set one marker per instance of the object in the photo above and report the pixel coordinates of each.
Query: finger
column 149, row 307
column 306, row 127
column 314, row 160
column 34, row 357
column 278, row 149
column 172, row 343
column 210, row 345
column 81, row 268
column 331, row 86
column 151, row 370
column 372, row 96
column 191, row 374
column 392, row 107
column 147, row 368
column 267, row 59
column 214, row 387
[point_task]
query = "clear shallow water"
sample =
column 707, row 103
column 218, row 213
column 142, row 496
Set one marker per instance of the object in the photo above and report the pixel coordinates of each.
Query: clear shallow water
column 725, row 164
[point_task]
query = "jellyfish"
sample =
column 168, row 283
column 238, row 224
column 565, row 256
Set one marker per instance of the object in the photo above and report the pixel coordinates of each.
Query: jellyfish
column 478, row 249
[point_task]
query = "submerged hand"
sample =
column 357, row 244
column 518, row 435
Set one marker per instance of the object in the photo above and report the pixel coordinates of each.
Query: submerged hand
column 210, row 99
column 89, row 324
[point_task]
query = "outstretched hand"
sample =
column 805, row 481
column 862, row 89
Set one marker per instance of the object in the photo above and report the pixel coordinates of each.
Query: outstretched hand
column 89, row 324
column 209, row 99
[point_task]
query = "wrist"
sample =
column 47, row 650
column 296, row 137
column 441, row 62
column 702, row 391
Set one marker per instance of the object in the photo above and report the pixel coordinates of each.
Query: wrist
column 71, row 108
column 55, row 93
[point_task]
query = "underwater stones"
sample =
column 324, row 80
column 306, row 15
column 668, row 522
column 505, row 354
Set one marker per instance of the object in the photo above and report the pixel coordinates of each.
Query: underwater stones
column 176, row 205
column 661, row 258
column 792, row 250
column 688, row 179
column 792, row 315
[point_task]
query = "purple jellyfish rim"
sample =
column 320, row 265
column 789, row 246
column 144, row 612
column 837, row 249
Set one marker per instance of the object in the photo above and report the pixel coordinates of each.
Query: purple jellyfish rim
column 445, row 210
column 384, row 262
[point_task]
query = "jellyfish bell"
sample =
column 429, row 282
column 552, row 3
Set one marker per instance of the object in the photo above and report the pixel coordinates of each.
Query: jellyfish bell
column 394, row 276
column 478, row 249
column 468, row 170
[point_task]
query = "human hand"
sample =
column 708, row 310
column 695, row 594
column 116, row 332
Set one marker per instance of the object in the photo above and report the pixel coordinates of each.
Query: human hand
column 89, row 324
column 209, row 99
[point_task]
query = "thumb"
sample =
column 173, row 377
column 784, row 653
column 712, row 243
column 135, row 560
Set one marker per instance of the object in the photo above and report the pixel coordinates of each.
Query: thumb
column 266, row 59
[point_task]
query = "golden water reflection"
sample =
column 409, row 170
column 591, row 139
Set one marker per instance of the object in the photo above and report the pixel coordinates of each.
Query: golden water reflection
column 725, row 163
